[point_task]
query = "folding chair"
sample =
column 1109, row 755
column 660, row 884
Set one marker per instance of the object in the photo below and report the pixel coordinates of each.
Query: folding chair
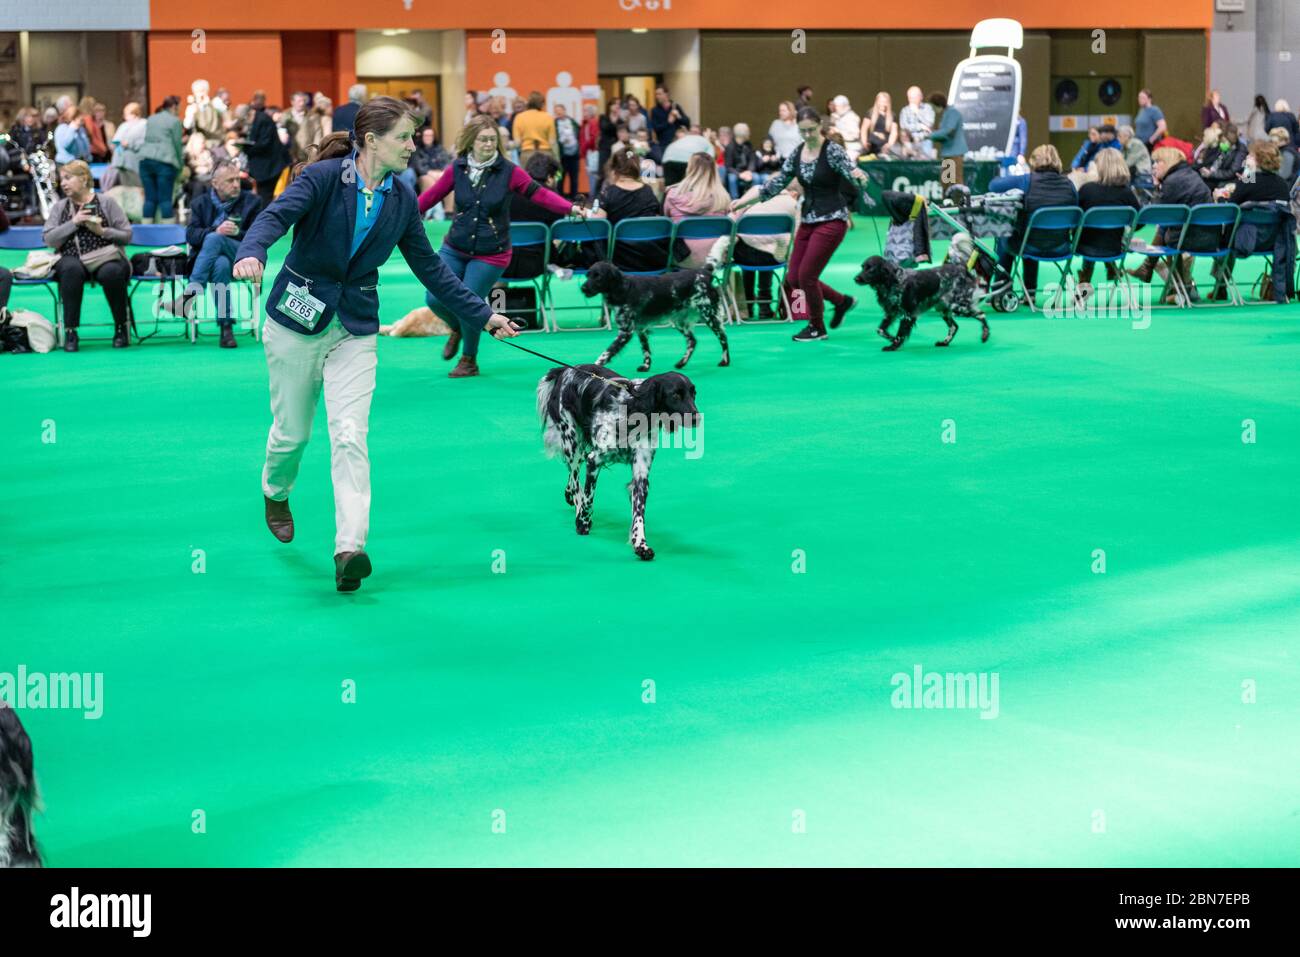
column 30, row 237
column 582, row 233
column 1266, row 218
column 1161, row 216
column 151, row 236
column 1116, row 219
column 527, row 235
column 1049, row 238
column 1222, row 217
column 763, row 224
column 707, row 227
column 643, row 229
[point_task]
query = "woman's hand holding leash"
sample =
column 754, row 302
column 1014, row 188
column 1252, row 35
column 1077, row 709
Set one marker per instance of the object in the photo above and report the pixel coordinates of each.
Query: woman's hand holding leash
column 500, row 327
column 248, row 268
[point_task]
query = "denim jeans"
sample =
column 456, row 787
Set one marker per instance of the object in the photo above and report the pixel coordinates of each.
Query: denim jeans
column 478, row 277
column 159, row 180
column 735, row 183
column 215, row 264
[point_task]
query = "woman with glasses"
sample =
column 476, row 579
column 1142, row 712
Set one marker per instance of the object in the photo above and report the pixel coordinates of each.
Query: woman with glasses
column 829, row 181
column 477, row 247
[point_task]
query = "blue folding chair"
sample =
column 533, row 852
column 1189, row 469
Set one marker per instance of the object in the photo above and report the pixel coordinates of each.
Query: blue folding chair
column 1110, row 219
column 594, row 233
column 1265, row 219
column 707, row 227
column 1049, row 238
column 26, row 238
column 643, row 229
column 1161, row 216
column 152, row 236
column 528, row 235
column 762, row 224
column 1217, row 219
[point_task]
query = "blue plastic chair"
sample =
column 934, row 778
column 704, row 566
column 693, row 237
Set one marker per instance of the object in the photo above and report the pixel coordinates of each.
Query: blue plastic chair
column 643, row 229
column 523, row 236
column 1161, row 216
column 1117, row 219
column 1049, row 237
column 1223, row 217
column 706, row 227
column 27, row 238
column 152, row 236
column 762, row 224
column 582, row 232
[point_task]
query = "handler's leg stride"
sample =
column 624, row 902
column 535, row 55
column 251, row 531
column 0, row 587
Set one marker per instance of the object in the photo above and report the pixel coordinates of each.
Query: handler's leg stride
column 293, row 362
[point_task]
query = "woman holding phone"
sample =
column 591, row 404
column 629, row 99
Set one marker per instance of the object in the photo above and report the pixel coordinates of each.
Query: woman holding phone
column 348, row 211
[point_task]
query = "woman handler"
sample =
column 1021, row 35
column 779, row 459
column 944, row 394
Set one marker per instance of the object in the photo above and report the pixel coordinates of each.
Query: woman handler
column 348, row 210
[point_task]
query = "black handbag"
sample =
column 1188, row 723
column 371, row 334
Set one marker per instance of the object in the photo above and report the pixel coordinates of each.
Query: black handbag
column 12, row 338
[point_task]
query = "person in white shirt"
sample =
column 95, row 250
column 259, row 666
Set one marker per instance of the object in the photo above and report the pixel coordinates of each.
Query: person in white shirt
column 784, row 131
column 916, row 122
column 849, row 125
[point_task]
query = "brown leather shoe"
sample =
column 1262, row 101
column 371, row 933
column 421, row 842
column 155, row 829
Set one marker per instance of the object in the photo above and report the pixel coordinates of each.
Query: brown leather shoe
column 279, row 519
column 349, row 569
column 467, row 366
column 452, row 347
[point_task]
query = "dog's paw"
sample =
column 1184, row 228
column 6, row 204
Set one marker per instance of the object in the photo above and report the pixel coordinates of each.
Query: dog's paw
column 643, row 367
column 582, row 528
column 893, row 344
column 726, row 361
column 569, row 496
column 681, row 363
column 645, row 552
column 943, row 343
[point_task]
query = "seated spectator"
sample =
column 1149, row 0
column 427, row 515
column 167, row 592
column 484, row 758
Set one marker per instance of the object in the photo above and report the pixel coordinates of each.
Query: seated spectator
column 1290, row 157
column 83, row 229
column 848, row 124
column 1283, row 117
column 1086, row 151
column 879, row 130
column 219, row 219
column 1178, row 184
column 700, row 193
column 624, row 196
column 645, row 151
column 1260, row 183
column 721, row 142
column 427, row 162
column 1044, row 185
column 741, row 162
column 915, row 124
column 765, row 250
column 1207, row 150
column 526, row 261
column 1111, row 188
column 1136, row 156
column 679, row 152
column 1227, row 160
column 767, row 159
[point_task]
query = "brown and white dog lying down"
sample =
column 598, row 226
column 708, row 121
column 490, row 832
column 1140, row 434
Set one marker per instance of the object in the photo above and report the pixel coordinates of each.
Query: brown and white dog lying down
column 417, row 322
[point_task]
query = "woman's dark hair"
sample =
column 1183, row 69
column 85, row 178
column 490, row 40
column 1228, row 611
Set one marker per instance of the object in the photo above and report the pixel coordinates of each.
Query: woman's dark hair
column 168, row 103
column 622, row 162
column 938, row 99
column 377, row 116
column 808, row 113
column 536, row 101
column 541, row 167
column 1261, row 103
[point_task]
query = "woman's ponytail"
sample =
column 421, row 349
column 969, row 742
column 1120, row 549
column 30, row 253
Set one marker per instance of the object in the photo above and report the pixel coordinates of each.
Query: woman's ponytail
column 331, row 147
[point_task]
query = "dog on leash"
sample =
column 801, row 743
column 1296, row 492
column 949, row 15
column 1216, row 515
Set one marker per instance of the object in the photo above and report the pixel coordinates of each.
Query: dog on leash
column 906, row 293
column 591, row 414
column 17, row 793
column 638, row 302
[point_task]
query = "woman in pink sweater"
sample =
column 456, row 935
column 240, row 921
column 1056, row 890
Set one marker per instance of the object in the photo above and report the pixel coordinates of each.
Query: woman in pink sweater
column 700, row 193
column 477, row 247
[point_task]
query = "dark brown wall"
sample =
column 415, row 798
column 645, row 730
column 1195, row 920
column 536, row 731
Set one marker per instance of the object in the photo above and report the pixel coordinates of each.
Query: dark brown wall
column 744, row 75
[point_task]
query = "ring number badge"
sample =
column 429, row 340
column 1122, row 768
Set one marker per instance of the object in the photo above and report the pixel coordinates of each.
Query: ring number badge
column 300, row 305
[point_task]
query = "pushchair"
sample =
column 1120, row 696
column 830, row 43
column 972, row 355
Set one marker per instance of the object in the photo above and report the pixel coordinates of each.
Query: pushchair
column 996, row 284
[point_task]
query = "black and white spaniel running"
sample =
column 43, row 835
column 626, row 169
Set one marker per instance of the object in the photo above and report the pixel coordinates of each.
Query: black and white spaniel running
column 17, row 794
column 592, row 414
column 906, row 293
column 636, row 303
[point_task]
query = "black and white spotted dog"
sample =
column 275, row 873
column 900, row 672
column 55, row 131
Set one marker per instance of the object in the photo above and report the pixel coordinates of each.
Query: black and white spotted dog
column 592, row 414
column 17, row 794
column 906, row 293
column 638, row 302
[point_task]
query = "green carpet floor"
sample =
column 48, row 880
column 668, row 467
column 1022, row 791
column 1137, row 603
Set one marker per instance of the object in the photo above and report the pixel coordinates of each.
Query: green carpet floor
column 516, row 699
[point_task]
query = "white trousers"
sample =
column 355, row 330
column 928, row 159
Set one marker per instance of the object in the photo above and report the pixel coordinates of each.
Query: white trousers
column 299, row 365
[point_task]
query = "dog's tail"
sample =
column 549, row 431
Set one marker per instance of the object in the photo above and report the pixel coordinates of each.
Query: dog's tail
column 545, row 387
column 18, row 797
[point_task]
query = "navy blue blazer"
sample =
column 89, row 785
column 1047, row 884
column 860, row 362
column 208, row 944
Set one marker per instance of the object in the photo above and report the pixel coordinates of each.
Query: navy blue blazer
column 204, row 213
column 322, row 210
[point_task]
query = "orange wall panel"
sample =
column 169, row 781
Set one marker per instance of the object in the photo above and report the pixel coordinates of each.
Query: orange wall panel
column 241, row 62
column 698, row 14
column 308, row 61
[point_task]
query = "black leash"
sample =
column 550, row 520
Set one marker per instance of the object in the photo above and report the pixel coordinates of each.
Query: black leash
column 618, row 381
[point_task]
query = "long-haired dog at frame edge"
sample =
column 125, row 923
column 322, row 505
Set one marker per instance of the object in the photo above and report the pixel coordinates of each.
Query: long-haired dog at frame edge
column 18, row 800
column 906, row 293
column 585, row 411
column 638, row 302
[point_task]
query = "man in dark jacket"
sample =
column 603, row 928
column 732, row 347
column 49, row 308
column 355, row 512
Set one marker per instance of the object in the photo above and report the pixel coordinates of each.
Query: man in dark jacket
column 666, row 117
column 267, row 155
column 1043, row 186
column 219, row 218
column 1283, row 117
column 346, row 115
